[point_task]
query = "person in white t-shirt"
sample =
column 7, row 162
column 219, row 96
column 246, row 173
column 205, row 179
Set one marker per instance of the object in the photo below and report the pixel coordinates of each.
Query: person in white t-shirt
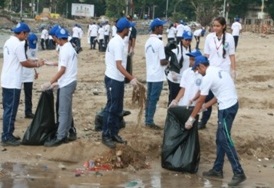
column 14, row 59
column 66, row 77
column 115, row 73
column 236, row 29
column 182, row 63
column 29, row 74
column 76, row 35
column 155, row 71
column 44, row 38
column 101, row 37
column 189, row 83
column 171, row 32
column 221, row 84
column 93, row 32
column 114, row 29
column 179, row 31
column 107, row 32
column 220, row 49
column 197, row 35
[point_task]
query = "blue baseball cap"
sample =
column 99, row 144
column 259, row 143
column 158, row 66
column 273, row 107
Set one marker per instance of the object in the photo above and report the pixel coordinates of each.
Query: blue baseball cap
column 53, row 30
column 199, row 60
column 237, row 19
column 21, row 27
column 194, row 53
column 32, row 40
column 123, row 23
column 156, row 22
column 61, row 33
column 187, row 35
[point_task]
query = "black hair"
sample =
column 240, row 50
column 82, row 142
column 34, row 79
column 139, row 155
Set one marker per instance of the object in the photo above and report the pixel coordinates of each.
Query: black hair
column 171, row 25
column 182, row 57
column 26, row 48
column 222, row 21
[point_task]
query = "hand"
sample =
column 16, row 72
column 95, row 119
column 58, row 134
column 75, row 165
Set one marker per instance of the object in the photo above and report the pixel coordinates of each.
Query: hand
column 189, row 123
column 190, row 102
column 54, row 85
column 36, row 75
column 46, row 86
column 173, row 103
column 40, row 63
column 233, row 74
column 134, row 82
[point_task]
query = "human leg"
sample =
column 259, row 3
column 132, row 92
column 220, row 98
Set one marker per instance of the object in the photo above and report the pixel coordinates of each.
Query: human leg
column 28, row 99
column 174, row 89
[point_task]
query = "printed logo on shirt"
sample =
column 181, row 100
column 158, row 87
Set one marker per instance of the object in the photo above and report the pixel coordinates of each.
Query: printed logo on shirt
column 226, row 45
column 150, row 46
column 198, row 82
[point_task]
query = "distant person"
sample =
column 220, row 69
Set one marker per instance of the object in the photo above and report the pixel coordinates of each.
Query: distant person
column 155, row 71
column 76, row 35
column 29, row 74
column 179, row 31
column 107, row 32
column 114, row 29
column 221, row 84
column 93, row 32
column 101, row 37
column 197, row 35
column 236, row 30
column 171, row 32
column 44, row 38
column 14, row 59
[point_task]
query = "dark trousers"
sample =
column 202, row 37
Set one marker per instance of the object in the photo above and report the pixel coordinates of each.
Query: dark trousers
column 170, row 39
column 42, row 44
column 225, row 145
column 101, row 44
column 178, row 39
column 114, row 107
column 10, row 101
column 28, row 97
column 197, row 38
column 174, row 89
column 106, row 39
column 207, row 113
column 236, row 39
column 76, row 41
column 92, row 43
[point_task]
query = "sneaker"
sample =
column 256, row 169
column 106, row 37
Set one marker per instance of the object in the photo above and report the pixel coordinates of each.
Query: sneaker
column 213, row 173
column 72, row 134
column 11, row 142
column 29, row 116
column 201, row 125
column 154, row 126
column 16, row 137
column 108, row 142
column 119, row 139
column 55, row 142
column 237, row 179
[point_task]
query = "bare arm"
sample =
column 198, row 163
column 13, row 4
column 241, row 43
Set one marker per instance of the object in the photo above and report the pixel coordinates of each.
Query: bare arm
column 233, row 62
column 198, row 106
column 123, row 70
column 58, row 75
column 32, row 63
column 180, row 94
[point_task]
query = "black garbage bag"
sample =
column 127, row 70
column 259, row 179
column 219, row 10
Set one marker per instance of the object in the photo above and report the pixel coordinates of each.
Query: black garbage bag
column 181, row 147
column 98, row 122
column 129, row 67
column 43, row 125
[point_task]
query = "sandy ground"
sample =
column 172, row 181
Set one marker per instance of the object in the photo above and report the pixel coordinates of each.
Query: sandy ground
column 252, row 132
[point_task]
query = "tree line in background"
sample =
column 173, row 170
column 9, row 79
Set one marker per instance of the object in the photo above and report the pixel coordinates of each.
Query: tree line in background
column 201, row 11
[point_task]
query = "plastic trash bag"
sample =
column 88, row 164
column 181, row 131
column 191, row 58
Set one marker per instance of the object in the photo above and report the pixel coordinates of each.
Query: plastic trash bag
column 43, row 125
column 181, row 147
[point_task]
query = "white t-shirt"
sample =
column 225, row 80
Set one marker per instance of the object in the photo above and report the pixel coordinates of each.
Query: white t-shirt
column 76, row 32
column 29, row 73
column 114, row 30
column 101, row 33
column 214, row 48
column 185, row 66
column 191, row 82
column 154, row 50
column 180, row 30
column 187, row 28
column 197, row 32
column 13, row 54
column 171, row 32
column 115, row 52
column 45, row 34
column 93, row 30
column 221, row 85
column 68, row 59
column 236, row 28
column 107, row 29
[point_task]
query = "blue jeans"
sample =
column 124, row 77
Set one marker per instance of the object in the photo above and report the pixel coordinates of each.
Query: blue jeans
column 154, row 90
column 10, row 100
column 224, row 142
column 114, row 107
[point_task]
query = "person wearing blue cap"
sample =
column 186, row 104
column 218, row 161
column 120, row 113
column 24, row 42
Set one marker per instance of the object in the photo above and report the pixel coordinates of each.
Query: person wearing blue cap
column 189, row 84
column 66, row 77
column 115, row 74
column 155, row 71
column 29, row 74
column 221, row 84
column 14, row 59
column 183, row 62
column 236, row 30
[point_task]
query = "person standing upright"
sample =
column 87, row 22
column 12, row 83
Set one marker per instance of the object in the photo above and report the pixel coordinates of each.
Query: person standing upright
column 155, row 71
column 236, row 30
column 93, row 32
column 115, row 74
column 14, row 59
column 220, row 49
column 107, row 32
column 179, row 31
column 44, row 38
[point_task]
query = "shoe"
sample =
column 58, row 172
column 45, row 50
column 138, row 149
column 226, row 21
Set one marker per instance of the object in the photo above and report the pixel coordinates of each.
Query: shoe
column 16, row 137
column 29, row 116
column 201, row 125
column 237, row 179
column 126, row 113
column 55, row 142
column 154, row 126
column 72, row 134
column 108, row 142
column 119, row 139
column 213, row 173
column 11, row 142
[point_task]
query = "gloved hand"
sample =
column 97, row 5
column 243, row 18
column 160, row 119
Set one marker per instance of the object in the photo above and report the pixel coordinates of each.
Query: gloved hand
column 134, row 82
column 189, row 123
column 174, row 76
column 46, row 86
column 54, row 85
column 173, row 103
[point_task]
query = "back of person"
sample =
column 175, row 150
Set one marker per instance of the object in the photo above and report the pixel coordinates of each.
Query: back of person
column 236, row 28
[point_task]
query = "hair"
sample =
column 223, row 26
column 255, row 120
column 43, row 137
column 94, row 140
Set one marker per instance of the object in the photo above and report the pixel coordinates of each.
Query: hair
column 222, row 21
column 171, row 25
column 182, row 57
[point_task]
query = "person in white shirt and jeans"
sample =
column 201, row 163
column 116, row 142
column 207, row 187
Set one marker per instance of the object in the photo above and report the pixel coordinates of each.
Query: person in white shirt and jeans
column 236, row 29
